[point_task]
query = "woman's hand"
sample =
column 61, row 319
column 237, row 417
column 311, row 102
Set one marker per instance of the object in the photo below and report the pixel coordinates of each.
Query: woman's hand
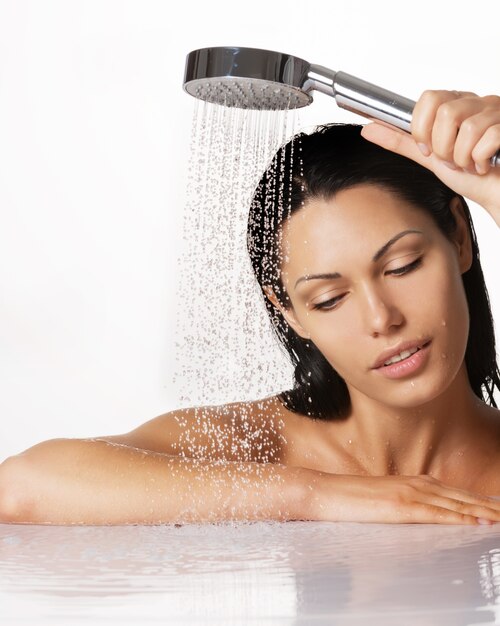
column 395, row 500
column 454, row 134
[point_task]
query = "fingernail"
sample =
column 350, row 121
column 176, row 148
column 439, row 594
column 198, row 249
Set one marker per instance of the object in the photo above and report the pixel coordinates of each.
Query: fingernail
column 480, row 169
column 481, row 520
column 452, row 166
column 423, row 149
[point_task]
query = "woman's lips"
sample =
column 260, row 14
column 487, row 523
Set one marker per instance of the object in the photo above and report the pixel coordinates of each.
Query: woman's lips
column 408, row 366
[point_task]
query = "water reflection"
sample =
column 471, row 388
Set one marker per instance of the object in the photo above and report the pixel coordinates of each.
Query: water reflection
column 293, row 573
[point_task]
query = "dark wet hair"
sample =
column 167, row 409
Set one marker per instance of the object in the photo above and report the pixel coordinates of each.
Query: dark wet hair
column 318, row 165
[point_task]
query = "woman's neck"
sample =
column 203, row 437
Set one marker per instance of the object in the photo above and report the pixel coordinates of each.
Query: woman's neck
column 434, row 438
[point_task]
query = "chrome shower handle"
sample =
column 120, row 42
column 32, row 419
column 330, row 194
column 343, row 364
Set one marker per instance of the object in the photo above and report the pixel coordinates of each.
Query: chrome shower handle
column 359, row 96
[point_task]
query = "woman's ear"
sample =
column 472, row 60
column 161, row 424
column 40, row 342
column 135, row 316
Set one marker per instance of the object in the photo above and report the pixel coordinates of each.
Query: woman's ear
column 461, row 236
column 288, row 314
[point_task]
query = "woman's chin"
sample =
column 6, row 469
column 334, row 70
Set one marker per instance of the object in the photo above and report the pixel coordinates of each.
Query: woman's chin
column 413, row 393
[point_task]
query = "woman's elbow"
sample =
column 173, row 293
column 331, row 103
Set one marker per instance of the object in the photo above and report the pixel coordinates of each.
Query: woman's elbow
column 14, row 500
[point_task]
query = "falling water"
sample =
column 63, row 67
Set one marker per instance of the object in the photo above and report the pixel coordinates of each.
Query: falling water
column 225, row 347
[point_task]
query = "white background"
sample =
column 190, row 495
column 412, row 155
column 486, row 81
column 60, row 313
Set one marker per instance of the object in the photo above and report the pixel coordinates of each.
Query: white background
column 94, row 142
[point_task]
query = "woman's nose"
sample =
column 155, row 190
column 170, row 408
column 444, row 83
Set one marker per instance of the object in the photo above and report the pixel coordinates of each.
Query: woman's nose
column 380, row 314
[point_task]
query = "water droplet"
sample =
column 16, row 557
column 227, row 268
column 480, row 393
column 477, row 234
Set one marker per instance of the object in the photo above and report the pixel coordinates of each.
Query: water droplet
column 443, row 323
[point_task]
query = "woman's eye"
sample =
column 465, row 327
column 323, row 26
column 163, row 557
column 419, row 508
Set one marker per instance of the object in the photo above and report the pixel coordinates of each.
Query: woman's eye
column 406, row 268
column 327, row 304
column 330, row 304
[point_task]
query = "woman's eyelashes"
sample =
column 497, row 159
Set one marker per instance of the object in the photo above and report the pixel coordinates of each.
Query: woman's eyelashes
column 328, row 305
column 406, row 268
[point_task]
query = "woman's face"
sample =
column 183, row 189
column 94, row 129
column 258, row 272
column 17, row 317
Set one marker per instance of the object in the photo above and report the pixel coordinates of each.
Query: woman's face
column 411, row 290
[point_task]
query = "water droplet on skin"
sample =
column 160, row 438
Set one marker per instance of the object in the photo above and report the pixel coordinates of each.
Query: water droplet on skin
column 350, row 440
column 443, row 323
column 412, row 384
column 443, row 355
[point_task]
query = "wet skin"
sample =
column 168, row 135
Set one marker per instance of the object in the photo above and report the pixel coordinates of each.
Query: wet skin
column 427, row 422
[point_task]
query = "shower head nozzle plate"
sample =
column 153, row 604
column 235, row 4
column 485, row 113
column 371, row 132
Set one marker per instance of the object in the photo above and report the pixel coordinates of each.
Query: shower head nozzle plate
column 247, row 78
column 248, row 93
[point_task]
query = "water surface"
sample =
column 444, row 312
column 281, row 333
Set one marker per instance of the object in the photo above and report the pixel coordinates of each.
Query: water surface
column 258, row 573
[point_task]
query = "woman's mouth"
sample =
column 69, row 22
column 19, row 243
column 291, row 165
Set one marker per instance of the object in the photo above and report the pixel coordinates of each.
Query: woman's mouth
column 406, row 363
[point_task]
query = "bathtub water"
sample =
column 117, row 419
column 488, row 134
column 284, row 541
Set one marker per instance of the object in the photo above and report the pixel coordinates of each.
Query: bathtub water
column 292, row 573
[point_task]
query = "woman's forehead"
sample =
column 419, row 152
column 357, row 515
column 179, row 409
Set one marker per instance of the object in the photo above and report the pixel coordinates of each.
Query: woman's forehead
column 353, row 216
column 351, row 226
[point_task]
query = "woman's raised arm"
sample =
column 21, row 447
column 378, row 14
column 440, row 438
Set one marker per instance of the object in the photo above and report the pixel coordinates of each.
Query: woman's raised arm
column 454, row 134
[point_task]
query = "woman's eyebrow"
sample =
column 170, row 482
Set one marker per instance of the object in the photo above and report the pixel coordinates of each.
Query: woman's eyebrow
column 378, row 255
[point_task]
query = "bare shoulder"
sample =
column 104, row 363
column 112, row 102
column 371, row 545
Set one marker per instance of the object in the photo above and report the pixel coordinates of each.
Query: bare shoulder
column 487, row 481
column 237, row 431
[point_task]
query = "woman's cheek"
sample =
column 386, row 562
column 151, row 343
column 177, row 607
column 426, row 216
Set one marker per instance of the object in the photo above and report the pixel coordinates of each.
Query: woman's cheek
column 335, row 339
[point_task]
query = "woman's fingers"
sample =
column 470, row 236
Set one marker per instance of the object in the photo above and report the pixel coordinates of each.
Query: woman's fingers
column 459, row 501
column 431, row 514
column 454, row 135
column 399, row 499
column 485, row 148
column 464, row 507
column 394, row 140
column 457, row 127
column 434, row 121
column 470, row 148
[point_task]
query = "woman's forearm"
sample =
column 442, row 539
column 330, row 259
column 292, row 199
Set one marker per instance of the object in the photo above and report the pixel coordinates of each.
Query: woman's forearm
column 92, row 481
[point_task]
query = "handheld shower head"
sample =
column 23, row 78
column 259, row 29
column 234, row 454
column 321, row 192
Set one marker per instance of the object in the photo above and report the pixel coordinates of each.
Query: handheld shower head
column 247, row 78
column 250, row 78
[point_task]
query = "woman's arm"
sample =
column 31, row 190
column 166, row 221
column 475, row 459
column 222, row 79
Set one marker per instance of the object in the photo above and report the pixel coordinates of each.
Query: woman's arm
column 237, row 431
column 181, row 454
column 70, row 481
column 453, row 134
column 75, row 481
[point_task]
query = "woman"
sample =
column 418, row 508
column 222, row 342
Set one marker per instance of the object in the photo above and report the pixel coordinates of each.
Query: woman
column 365, row 258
